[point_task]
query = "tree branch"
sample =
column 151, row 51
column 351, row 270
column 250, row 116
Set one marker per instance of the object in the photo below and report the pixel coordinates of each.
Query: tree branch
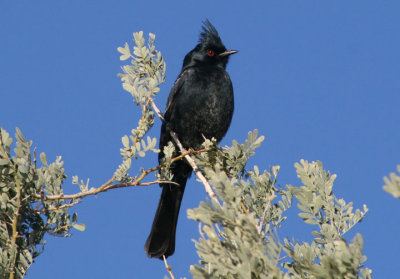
column 108, row 185
column 168, row 267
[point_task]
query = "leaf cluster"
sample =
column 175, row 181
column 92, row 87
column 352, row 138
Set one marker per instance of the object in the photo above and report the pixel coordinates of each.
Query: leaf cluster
column 328, row 255
column 319, row 205
column 239, row 239
column 25, row 219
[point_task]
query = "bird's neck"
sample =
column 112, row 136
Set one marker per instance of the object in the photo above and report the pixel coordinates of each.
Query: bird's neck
column 203, row 66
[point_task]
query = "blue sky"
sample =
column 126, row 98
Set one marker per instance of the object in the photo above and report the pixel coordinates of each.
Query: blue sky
column 319, row 79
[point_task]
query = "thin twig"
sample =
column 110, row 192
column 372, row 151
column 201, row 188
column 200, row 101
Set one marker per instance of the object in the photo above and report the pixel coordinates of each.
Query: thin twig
column 267, row 207
column 155, row 108
column 196, row 169
column 168, row 267
column 41, row 209
column 270, row 198
column 75, row 197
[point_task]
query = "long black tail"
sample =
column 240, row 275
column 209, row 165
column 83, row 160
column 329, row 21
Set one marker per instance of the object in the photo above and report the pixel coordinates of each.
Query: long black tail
column 161, row 240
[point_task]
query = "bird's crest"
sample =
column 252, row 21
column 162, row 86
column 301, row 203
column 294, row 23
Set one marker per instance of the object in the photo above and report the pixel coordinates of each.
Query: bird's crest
column 209, row 35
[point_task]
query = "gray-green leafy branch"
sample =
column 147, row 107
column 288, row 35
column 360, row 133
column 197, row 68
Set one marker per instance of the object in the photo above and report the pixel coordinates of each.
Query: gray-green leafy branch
column 232, row 245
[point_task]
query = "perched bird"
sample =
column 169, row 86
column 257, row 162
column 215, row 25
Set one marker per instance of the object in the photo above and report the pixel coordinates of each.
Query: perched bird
column 200, row 105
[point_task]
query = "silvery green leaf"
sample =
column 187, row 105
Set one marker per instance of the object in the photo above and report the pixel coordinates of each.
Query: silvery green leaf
column 125, row 141
column 392, row 184
column 79, row 227
column 43, row 158
column 126, row 53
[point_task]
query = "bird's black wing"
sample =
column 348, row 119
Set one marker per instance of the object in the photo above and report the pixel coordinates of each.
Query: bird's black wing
column 175, row 91
column 167, row 126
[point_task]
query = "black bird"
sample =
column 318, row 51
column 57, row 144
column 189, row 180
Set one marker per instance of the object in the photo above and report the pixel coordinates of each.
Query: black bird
column 199, row 105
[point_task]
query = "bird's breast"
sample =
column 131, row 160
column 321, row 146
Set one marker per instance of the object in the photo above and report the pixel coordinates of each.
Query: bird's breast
column 205, row 108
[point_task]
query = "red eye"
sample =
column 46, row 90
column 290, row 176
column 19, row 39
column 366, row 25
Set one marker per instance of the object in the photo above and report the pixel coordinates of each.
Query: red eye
column 210, row 52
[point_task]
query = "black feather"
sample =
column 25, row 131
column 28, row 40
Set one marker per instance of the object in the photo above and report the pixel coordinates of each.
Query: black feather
column 209, row 35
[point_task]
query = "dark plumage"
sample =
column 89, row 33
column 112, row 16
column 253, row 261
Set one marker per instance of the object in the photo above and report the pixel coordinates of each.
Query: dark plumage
column 199, row 104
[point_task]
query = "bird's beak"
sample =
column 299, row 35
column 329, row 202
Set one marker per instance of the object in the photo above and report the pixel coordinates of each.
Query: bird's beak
column 227, row 52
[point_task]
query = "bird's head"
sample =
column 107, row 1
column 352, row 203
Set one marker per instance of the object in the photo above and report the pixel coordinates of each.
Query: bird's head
column 210, row 50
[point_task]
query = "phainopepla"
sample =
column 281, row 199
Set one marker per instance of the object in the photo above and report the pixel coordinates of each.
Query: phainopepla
column 199, row 105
